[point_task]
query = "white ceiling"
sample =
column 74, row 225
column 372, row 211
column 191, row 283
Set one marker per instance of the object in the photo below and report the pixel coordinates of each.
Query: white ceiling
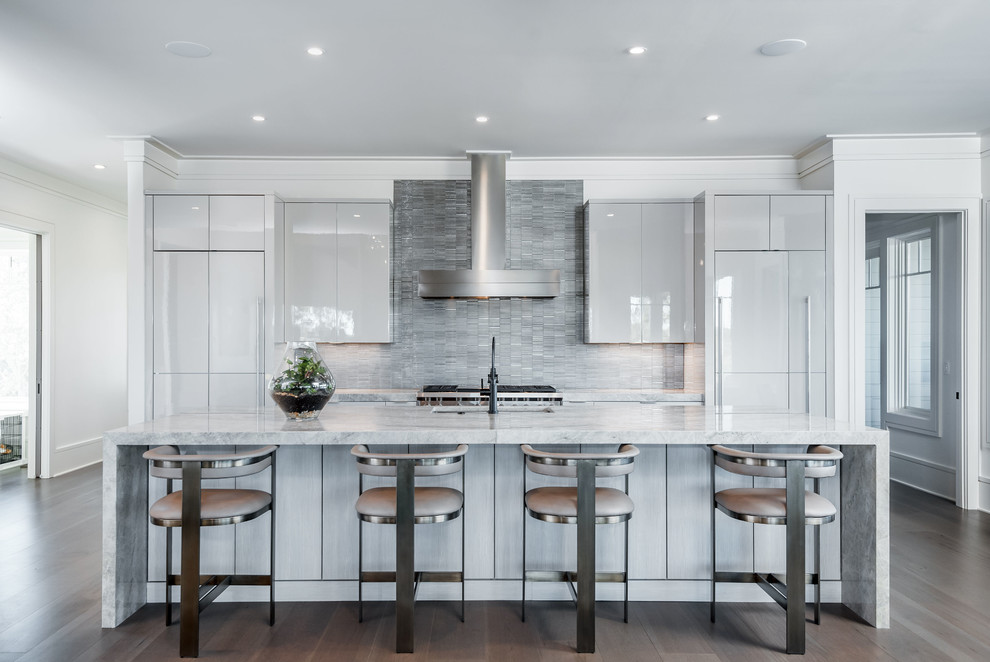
column 406, row 78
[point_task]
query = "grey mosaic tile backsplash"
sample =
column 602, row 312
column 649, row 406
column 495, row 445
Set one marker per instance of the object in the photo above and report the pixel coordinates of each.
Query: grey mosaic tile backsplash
column 538, row 341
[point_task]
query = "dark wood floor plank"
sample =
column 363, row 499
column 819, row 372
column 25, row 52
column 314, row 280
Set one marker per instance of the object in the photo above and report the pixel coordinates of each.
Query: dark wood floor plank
column 507, row 637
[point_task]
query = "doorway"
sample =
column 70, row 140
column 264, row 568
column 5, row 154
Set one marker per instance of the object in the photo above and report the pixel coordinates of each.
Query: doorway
column 914, row 344
column 18, row 348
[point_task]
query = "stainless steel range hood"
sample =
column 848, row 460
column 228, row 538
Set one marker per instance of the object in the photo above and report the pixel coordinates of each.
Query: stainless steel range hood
column 488, row 276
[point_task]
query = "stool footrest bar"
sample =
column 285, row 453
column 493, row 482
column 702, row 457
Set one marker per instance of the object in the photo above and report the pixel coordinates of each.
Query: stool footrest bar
column 571, row 576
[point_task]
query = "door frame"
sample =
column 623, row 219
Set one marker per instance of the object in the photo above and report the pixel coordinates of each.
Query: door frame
column 40, row 456
column 968, row 449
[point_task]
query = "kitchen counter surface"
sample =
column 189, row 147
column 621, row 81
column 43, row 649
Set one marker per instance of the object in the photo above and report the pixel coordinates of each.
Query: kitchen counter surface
column 606, row 424
column 672, row 486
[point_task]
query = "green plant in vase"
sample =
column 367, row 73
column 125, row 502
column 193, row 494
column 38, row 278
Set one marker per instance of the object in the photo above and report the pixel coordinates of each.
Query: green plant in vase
column 305, row 385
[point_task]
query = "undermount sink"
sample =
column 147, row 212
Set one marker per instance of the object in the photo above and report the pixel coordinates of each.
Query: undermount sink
column 483, row 409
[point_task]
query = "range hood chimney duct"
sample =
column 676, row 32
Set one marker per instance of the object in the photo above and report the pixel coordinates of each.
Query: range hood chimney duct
column 488, row 276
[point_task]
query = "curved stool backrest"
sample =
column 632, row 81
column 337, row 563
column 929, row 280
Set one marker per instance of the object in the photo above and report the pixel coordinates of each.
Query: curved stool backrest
column 426, row 464
column 564, row 465
column 167, row 462
column 819, row 462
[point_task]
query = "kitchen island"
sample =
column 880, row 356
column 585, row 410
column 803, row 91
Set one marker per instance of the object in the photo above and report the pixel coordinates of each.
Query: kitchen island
column 669, row 533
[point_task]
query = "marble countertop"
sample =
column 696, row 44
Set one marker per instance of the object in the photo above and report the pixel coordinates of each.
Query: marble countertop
column 609, row 423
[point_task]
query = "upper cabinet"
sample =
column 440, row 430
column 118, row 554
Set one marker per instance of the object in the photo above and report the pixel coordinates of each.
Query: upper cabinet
column 337, row 272
column 209, row 222
column 765, row 222
column 640, row 275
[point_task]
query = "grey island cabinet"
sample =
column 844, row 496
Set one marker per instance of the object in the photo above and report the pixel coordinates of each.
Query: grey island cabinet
column 669, row 534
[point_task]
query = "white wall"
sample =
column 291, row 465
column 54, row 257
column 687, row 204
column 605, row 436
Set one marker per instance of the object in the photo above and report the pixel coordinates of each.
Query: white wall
column 86, row 233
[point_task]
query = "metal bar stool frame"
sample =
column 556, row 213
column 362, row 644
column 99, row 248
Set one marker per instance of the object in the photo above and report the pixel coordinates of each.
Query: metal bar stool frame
column 199, row 591
column 586, row 467
column 793, row 467
column 405, row 577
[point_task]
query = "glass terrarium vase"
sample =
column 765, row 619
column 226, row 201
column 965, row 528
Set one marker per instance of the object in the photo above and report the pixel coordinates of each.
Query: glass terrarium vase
column 303, row 385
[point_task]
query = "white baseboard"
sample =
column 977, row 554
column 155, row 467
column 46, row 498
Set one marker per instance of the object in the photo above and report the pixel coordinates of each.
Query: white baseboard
column 77, row 455
column 984, row 502
column 658, row 590
column 921, row 474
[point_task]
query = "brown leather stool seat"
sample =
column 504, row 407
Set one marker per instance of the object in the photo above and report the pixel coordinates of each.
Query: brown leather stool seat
column 218, row 506
column 561, row 503
column 378, row 504
column 770, row 503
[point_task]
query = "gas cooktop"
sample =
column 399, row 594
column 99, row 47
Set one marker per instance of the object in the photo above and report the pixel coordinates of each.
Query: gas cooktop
column 453, row 394
column 452, row 388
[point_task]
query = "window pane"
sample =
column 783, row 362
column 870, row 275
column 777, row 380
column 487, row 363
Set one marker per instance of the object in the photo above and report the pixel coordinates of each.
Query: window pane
column 912, row 257
column 919, row 340
column 925, row 258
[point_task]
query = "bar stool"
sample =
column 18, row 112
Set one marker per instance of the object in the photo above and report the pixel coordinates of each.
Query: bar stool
column 792, row 506
column 585, row 505
column 406, row 505
column 193, row 507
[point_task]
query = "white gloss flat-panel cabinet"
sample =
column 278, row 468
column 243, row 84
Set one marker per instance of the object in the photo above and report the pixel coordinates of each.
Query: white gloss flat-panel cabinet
column 208, row 222
column 237, row 292
column 767, row 274
column 180, row 320
column 769, row 222
column 640, row 276
column 337, row 272
column 207, row 328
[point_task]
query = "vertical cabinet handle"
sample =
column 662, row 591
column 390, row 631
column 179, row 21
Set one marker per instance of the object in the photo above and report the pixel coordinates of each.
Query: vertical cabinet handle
column 718, row 353
column 807, row 397
column 260, row 358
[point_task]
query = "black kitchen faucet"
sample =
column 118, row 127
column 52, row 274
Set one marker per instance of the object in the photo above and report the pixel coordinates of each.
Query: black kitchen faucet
column 492, row 384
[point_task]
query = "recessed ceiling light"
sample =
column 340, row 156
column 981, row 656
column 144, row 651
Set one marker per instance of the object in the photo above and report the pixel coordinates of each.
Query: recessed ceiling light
column 610, row 215
column 315, row 50
column 359, row 216
column 187, row 49
column 481, row 119
column 712, row 118
column 195, row 208
column 783, row 47
column 636, row 50
column 258, row 118
column 100, row 166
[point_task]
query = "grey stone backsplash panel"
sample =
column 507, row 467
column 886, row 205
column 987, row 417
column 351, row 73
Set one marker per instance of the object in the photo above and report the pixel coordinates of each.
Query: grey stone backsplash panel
column 538, row 341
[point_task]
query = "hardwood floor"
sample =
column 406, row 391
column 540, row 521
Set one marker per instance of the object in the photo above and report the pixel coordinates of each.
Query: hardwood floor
column 50, row 604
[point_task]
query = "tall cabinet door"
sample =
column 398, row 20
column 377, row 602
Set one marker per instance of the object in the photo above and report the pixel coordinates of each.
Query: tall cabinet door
column 667, row 273
column 751, row 336
column 311, row 271
column 363, row 265
column 180, row 319
column 753, row 326
column 614, row 275
column 237, row 290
